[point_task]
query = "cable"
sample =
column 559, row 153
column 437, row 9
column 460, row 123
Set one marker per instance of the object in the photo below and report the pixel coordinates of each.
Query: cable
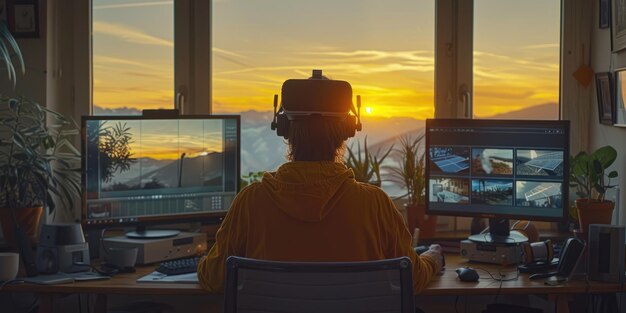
column 80, row 306
column 29, row 308
column 456, row 300
column 501, row 279
column 589, row 298
column 104, row 270
column 465, row 309
column 499, row 290
column 502, row 275
column 11, row 281
column 620, row 293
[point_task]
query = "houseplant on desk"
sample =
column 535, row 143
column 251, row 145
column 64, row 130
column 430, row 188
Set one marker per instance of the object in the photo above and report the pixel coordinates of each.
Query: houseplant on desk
column 410, row 174
column 588, row 175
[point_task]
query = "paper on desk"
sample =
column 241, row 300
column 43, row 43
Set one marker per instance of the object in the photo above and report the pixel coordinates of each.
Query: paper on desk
column 156, row 277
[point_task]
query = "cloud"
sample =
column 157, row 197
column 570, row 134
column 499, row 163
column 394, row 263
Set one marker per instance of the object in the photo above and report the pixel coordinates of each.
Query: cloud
column 229, row 53
column 412, row 55
column 129, row 34
column 102, row 59
column 543, row 46
column 132, row 5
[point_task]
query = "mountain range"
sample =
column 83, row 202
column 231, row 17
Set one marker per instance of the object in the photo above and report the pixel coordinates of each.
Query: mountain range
column 262, row 150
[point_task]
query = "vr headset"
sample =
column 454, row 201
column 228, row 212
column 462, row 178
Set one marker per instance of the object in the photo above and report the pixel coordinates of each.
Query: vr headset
column 316, row 98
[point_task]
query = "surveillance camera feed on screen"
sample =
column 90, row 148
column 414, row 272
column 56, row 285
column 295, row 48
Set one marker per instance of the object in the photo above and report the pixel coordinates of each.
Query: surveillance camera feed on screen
column 497, row 168
column 142, row 169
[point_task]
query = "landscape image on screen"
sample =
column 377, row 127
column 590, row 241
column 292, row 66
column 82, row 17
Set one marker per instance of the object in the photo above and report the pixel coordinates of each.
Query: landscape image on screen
column 159, row 154
column 538, row 194
column 492, row 161
column 449, row 160
column 449, row 190
column 539, row 163
column 147, row 167
column 492, row 192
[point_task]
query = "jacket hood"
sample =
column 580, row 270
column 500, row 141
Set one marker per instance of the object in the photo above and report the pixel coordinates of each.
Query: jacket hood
column 308, row 191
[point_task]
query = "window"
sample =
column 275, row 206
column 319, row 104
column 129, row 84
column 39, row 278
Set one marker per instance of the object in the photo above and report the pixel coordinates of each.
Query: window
column 133, row 56
column 516, row 59
column 385, row 49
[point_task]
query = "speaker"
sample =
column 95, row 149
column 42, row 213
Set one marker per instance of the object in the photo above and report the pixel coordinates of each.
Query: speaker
column 60, row 246
column 606, row 253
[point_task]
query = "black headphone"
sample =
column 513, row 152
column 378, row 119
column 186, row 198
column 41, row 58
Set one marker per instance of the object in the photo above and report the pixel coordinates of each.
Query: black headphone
column 317, row 97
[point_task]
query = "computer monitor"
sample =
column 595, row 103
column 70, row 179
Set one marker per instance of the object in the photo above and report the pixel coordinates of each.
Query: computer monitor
column 140, row 170
column 498, row 169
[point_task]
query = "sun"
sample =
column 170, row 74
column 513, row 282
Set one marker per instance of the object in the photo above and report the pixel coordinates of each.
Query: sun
column 369, row 110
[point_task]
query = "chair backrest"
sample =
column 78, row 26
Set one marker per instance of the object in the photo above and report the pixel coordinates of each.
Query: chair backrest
column 307, row 287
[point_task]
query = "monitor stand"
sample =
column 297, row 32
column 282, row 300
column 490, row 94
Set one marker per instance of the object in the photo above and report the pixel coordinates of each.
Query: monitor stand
column 499, row 233
column 142, row 233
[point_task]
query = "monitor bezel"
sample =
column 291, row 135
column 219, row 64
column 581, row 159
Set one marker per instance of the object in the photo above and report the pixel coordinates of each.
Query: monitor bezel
column 565, row 124
column 213, row 217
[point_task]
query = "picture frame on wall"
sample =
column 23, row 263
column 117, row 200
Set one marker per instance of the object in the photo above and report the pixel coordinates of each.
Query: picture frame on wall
column 605, row 96
column 23, row 18
column 618, row 25
column 605, row 14
column 620, row 96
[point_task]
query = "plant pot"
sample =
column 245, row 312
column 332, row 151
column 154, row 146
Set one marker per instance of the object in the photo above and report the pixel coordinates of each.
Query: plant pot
column 417, row 218
column 27, row 218
column 593, row 212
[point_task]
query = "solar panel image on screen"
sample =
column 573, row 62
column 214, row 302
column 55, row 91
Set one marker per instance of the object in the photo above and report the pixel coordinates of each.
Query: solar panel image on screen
column 449, row 190
column 492, row 191
column 518, row 169
column 449, row 160
column 538, row 194
column 539, row 163
column 492, row 161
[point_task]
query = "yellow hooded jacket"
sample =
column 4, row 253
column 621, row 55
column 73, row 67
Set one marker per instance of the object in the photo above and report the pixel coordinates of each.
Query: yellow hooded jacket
column 312, row 211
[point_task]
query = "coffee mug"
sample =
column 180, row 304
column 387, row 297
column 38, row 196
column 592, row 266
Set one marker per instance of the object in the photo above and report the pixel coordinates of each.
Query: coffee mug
column 9, row 263
column 121, row 257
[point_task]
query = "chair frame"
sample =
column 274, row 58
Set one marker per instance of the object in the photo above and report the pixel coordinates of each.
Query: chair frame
column 234, row 263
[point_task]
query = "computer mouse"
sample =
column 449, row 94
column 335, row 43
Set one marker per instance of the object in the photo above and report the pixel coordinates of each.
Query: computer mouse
column 467, row 274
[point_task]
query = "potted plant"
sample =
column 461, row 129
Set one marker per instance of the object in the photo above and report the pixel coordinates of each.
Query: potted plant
column 366, row 167
column 410, row 174
column 36, row 158
column 39, row 166
column 588, row 175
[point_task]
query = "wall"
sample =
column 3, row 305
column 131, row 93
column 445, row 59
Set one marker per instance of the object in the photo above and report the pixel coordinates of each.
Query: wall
column 33, row 83
column 602, row 60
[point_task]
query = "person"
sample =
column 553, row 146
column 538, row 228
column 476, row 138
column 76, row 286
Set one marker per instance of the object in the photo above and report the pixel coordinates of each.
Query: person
column 312, row 209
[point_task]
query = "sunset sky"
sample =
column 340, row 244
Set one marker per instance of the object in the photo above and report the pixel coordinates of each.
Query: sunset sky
column 169, row 139
column 385, row 49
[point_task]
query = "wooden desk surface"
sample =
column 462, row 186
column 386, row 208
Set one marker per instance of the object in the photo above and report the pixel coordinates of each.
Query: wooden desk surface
column 444, row 284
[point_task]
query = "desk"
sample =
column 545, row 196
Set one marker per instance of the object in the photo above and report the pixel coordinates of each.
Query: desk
column 443, row 285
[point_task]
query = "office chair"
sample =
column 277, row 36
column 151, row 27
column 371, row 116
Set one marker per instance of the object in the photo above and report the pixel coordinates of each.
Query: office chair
column 303, row 287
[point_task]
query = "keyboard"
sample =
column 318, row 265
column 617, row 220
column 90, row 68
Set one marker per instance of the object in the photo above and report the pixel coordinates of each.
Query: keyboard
column 180, row 266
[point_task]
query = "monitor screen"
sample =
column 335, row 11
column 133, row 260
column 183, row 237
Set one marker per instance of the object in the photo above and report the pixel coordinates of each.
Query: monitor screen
column 497, row 168
column 138, row 169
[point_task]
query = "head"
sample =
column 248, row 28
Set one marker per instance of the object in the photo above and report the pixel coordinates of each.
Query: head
column 316, row 139
column 315, row 118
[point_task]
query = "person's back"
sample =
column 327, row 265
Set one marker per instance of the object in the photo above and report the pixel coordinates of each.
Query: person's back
column 312, row 209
